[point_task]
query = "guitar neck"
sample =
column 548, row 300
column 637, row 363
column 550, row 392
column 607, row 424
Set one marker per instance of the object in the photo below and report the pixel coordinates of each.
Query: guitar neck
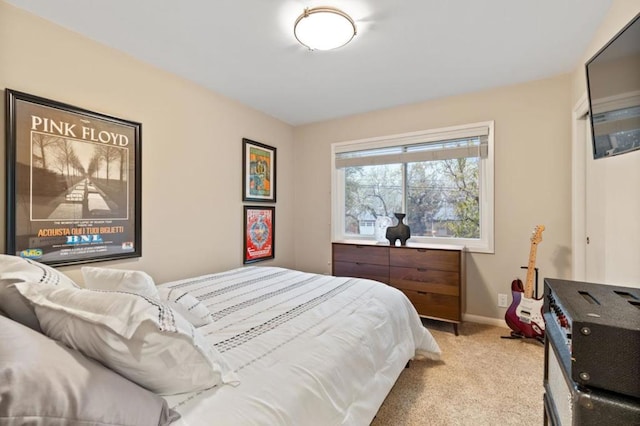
column 528, row 287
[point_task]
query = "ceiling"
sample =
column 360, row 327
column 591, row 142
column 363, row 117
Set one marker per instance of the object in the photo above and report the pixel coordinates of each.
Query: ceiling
column 405, row 51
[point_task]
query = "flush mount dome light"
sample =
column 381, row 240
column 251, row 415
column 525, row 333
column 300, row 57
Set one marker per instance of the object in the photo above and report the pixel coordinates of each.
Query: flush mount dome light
column 324, row 28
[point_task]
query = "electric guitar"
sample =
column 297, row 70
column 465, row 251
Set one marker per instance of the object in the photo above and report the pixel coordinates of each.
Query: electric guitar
column 524, row 316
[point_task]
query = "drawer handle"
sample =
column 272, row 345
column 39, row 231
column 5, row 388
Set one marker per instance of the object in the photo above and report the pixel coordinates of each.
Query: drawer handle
column 423, row 250
column 422, row 292
column 422, row 269
column 359, row 246
column 358, row 263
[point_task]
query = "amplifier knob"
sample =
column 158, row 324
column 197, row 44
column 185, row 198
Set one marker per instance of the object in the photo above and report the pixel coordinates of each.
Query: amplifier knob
column 563, row 321
column 585, row 330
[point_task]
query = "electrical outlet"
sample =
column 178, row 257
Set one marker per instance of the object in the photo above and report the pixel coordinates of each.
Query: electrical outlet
column 502, row 300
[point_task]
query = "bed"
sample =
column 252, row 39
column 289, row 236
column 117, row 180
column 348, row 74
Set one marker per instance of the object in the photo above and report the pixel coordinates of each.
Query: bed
column 294, row 347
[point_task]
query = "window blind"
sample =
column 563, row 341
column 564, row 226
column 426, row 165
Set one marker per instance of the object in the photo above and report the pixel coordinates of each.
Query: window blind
column 415, row 150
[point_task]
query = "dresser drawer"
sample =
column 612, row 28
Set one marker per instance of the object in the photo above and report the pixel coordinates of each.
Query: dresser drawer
column 425, row 280
column 431, row 278
column 435, row 305
column 443, row 260
column 361, row 270
column 361, row 254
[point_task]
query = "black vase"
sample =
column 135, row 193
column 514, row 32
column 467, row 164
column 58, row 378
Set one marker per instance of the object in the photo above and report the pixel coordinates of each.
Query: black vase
column 400, row 232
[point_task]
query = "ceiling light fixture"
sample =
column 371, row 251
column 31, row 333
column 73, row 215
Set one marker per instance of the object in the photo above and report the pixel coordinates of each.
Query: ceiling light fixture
column 324, row 28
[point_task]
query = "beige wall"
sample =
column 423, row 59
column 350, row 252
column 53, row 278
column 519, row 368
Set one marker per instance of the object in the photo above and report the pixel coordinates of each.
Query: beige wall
column 191, row 144
column 532, row 179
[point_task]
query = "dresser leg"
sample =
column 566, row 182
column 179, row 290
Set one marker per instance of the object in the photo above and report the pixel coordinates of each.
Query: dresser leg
column 455, row 328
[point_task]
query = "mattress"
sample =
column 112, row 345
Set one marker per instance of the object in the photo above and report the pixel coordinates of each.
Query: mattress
column 308, row 349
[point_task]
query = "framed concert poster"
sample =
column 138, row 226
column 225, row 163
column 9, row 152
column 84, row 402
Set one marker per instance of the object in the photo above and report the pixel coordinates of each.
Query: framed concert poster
column 258, row 172
column 73, row 182
column 259, row 233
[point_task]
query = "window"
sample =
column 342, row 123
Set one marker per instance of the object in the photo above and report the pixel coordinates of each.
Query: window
column 442, row 179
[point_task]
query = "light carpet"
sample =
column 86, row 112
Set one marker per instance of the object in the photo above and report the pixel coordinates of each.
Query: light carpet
column 481, row 380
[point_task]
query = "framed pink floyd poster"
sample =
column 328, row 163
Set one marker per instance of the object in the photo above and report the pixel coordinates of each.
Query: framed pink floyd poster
column 73, row 182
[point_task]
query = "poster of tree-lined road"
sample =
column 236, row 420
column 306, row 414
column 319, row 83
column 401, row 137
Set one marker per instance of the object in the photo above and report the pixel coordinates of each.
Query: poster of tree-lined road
column 73, row 186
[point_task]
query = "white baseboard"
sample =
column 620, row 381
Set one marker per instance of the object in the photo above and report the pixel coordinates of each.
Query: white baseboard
column 484, row 320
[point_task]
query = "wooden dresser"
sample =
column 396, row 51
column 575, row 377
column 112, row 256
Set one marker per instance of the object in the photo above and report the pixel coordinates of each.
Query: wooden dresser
column 432, row 278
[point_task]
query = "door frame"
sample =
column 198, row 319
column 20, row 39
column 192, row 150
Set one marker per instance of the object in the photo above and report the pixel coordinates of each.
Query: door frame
column 579, row 151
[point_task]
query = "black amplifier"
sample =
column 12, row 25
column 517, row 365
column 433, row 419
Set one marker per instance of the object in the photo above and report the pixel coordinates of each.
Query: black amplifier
column 596, row 331
column 568, row 404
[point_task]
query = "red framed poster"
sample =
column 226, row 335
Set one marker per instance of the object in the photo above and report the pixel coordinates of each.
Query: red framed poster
column 259, row 233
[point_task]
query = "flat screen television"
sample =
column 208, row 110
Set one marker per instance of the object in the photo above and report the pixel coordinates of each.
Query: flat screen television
column 613, row 86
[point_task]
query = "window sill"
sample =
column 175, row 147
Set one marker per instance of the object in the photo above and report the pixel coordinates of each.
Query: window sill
column 409, row 244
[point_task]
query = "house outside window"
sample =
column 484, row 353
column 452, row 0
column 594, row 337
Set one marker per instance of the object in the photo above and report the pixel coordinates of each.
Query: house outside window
column 442, row 179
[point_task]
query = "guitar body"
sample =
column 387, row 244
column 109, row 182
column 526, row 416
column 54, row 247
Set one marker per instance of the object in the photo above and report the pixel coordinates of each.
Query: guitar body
column 524, row 316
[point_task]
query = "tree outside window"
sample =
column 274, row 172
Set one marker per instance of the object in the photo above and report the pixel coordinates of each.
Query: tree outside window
column 441, row 197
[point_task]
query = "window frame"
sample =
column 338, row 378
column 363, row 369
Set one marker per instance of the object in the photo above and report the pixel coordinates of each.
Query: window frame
column 484, row 244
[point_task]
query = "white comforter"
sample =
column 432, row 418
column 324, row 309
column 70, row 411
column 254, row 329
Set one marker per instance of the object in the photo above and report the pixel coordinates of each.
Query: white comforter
column 308, row 349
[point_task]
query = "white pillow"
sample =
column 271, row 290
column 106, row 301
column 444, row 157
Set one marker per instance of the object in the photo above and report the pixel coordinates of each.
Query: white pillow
column 14, row 269
column 46, row 383
column 19, row 268
column 119, row 280
column 140, row 338
column 186, row 305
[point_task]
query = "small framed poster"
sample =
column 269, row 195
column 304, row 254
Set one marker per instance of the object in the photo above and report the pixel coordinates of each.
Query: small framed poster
column 259, row 233
column 73, row 182
column 258, row 172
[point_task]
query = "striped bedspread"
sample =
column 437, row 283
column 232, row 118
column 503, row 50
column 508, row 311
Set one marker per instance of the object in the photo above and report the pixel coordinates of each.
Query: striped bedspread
column 309, row 349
